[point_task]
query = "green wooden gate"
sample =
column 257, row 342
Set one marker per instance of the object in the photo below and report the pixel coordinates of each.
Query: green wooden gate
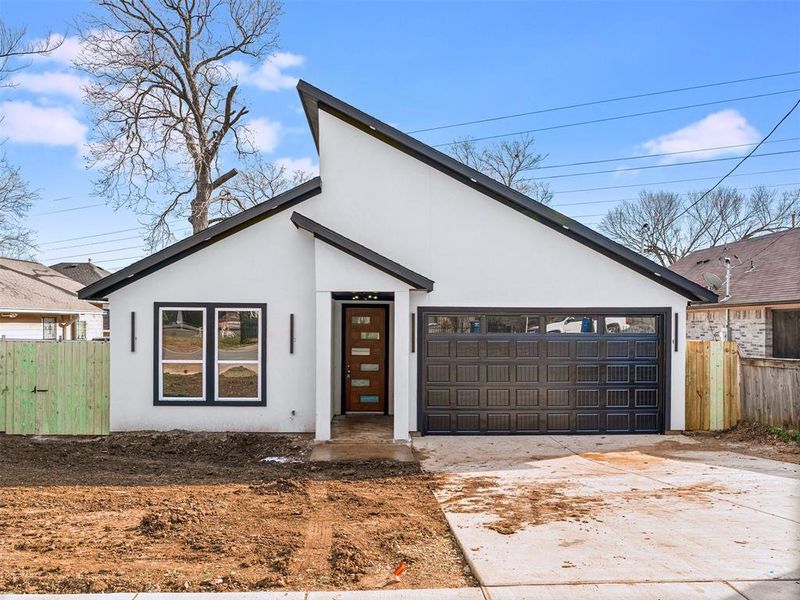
column 54, row 388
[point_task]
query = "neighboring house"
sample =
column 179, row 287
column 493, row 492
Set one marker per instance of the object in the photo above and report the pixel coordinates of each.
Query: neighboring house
column 400, row 281
column 762, row 313
column 86, row 273
column 38, row 303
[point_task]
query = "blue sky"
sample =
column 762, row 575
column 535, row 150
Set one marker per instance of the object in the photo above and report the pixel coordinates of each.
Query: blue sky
column 421, row 64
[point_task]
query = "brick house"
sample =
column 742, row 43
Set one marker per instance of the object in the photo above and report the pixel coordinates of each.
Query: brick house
column 760, row 309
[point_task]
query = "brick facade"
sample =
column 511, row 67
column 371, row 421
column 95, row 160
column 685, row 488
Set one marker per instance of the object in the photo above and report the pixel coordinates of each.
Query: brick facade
column 750, row 327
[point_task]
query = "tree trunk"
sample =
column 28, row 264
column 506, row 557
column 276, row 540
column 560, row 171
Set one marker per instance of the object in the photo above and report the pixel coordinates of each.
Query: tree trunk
column 199, row 214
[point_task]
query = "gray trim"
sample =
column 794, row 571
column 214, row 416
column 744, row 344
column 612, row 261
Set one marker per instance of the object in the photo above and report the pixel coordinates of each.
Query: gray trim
column 314, row 99
column 362, row 253
column 198, row 241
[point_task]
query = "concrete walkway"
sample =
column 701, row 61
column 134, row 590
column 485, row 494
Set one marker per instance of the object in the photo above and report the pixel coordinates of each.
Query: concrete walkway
column 662, row 512
column 717, row 590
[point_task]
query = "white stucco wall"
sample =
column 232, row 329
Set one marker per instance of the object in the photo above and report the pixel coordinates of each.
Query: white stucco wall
column 270, row 262
column 479, row 252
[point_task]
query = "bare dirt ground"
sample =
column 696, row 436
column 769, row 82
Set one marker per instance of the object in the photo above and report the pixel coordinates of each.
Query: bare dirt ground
column 182, row 511
column 753, row 439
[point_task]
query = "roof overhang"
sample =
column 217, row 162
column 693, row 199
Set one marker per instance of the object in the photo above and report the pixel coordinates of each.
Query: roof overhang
column 362, row 253
column 100, row 289
column 314, row 100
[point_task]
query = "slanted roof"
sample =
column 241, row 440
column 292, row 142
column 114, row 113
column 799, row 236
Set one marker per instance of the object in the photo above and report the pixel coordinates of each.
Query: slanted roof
column 27, row 286
column 314, row 100
column 774, row 278
column 198, row 241
column 82, row 272
column 362, row 253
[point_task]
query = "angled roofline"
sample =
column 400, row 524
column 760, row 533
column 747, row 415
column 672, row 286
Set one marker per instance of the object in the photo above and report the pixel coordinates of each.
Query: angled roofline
column 362, row 253
column 314, row 100
column 178, row 250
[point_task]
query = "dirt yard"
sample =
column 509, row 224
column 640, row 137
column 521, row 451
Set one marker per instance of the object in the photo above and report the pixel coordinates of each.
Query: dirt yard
column 205, row 512
column 753, row 439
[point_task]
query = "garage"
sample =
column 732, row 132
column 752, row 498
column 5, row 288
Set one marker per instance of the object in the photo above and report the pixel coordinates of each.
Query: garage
column 542, row 371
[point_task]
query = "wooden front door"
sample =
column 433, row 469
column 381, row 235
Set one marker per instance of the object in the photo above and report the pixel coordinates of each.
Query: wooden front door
column 364, row 361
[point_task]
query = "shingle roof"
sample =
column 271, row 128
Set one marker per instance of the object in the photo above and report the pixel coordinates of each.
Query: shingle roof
column 82, row 272
column 775, row 278
column 27, row 285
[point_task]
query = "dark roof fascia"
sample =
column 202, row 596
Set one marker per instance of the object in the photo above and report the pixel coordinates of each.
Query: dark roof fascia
column 362, row 253
column 713, row 305
column 198, row 241
column 314, row 99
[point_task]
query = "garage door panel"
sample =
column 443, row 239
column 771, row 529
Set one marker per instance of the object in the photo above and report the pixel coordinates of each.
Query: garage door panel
column 518, row 380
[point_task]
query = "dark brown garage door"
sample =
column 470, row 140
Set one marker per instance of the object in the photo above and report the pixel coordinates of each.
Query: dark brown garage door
column 541, row 371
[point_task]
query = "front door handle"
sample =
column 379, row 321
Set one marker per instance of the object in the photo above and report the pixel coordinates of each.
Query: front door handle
column 347, row 372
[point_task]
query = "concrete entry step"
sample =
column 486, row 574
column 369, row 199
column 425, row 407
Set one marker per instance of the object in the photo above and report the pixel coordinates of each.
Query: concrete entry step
column 347, row 451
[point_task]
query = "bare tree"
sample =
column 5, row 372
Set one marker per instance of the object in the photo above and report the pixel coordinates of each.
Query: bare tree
column 16, row 199
column 16, row 195
column 507, row 161
column 257, row 182
column 165, row 104
column 14, row 49
column 667, row 226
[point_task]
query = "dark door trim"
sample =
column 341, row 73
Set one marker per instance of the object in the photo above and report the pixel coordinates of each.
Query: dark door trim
column 663, row 313
column 343, row 349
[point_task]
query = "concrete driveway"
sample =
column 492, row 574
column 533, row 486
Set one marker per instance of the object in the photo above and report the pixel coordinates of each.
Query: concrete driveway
column 552, row 517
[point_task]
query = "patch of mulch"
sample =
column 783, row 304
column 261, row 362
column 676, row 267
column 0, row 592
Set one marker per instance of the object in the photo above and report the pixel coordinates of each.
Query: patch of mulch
column 194, row 512
column 753, row 439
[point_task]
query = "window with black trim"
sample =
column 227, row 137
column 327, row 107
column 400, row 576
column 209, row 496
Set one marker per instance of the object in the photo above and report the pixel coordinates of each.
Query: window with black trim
column 49, row 328
column 210, row 354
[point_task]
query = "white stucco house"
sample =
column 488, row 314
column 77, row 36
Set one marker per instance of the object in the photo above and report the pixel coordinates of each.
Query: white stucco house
column 402, row 282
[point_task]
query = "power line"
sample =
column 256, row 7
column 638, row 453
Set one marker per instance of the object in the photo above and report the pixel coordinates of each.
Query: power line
column 618, row 117
column 86, row 237
column 660, row 154
column 777, row 185
column 63, row 210
column 132, row 237
column 736, row 166
column 633, row 185
column 644, row 167
column 604, row 101
column 100, row 252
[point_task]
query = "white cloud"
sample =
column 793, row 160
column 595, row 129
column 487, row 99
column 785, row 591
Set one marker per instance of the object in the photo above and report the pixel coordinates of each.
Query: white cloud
column 67, row 52
column 724, row 128
column 25, row 122
column 51, row 82
column 304, row 164
column 269, row 75
column 264, row 134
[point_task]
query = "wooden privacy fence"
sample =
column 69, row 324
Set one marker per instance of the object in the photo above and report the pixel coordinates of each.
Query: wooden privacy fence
column 52, row 388
column 712, row 385
column 771, row 391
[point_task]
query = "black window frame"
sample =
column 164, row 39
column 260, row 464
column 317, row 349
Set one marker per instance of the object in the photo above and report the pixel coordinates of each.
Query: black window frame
column 209, row 358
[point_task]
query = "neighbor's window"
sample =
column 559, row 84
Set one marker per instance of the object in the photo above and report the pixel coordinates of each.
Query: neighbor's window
column 622, row 324
column 453, row 324
column 238, row 353
column 79, row 330
column 182, row 353
column 571, row 324
column 49, row 328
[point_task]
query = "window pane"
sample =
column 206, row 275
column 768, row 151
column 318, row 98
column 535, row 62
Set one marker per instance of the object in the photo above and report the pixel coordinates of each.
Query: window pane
column 571, row 324
column 238, row 381
column 370, row 367
column 237, row 334
column 49, row 329
column 513, row 323
column 359, row 382
column 450, row 324
column 630, row 324
column 182, row 380
column 182, row 334
column 360, row 320
column 359, row 351
column 368, row 399
column 370, row 335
